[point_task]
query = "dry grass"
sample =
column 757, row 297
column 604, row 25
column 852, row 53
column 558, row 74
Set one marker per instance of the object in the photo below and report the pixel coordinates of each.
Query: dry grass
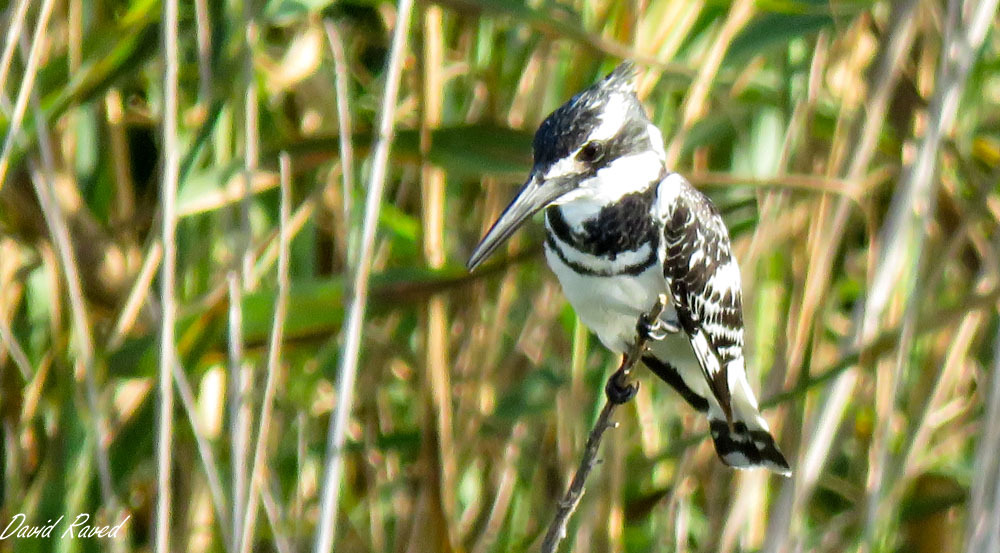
column 855, row 159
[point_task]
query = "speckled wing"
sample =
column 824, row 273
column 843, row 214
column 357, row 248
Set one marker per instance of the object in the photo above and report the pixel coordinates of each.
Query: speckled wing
column 704, row 282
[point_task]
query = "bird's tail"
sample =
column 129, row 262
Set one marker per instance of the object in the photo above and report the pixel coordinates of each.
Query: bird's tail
column 744, row 442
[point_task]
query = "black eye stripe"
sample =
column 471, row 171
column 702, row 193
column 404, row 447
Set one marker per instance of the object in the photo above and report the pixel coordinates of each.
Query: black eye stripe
column 632, row 137
column 562, row 133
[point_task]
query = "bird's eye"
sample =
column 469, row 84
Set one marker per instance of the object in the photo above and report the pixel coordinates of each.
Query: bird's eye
column 591, row 151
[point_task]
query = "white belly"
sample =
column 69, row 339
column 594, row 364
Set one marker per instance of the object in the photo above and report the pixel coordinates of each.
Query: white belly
column 610, row 306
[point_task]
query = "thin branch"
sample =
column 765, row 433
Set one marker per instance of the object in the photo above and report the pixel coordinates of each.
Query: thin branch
column 203, row 33
column 852, row 190
column 13, row 32
column 84, row 363
column 138, row 296
column 343, row 117
column 121, row 153
column 43, row 182
column 239, row 412
column 983, row 528
column 298, row 494
column 27, row 85
column 273, row 358
column 251, row 144
column 14, row 346
column 356, row 311
column 437, row 380
column 204, row 451
column 557, row 529
column 268, row 498
column 240, row 381
column 168, row 197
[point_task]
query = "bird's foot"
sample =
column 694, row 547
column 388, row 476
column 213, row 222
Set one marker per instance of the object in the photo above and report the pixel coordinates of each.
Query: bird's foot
column 656, row 329
column 618, row 389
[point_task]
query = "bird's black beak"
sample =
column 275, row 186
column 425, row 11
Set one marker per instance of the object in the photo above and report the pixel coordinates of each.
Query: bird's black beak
column 537, row 193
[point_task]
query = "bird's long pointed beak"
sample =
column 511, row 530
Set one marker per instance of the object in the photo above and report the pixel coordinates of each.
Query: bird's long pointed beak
column 533, row 196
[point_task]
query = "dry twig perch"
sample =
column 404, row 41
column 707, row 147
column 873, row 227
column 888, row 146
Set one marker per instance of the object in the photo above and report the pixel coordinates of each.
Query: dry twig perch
column 617, row 392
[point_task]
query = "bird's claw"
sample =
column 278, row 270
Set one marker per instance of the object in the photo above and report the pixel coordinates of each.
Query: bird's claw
column 618, row 389
column 657, row 329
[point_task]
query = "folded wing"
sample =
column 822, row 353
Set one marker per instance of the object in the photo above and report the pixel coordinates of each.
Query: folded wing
column 704, row 282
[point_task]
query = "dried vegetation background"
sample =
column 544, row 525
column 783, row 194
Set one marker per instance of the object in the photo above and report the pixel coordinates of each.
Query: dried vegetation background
column 852, row 146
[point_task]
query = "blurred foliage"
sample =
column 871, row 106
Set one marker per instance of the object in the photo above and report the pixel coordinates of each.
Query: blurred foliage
column 476, row 391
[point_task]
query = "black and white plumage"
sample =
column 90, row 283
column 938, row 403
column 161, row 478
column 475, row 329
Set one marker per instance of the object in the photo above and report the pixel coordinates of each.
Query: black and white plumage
column 622, row 230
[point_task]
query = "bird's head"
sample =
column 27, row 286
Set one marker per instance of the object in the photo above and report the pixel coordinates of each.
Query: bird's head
column 598, row 145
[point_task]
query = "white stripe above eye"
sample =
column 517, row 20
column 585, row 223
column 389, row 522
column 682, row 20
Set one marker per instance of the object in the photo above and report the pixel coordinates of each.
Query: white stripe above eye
column 613, row 116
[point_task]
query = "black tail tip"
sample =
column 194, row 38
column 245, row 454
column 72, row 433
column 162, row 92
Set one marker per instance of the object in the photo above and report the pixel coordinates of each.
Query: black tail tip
column 743, row 448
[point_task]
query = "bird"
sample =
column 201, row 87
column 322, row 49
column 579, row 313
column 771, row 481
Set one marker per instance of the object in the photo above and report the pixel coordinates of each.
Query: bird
column 622, row 232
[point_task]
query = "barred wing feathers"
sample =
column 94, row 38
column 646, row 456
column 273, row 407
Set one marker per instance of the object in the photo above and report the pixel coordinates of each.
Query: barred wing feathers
column 704, row 283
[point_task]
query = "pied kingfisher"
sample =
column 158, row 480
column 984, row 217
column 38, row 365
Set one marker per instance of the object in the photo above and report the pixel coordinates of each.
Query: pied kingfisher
column 623, row 231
